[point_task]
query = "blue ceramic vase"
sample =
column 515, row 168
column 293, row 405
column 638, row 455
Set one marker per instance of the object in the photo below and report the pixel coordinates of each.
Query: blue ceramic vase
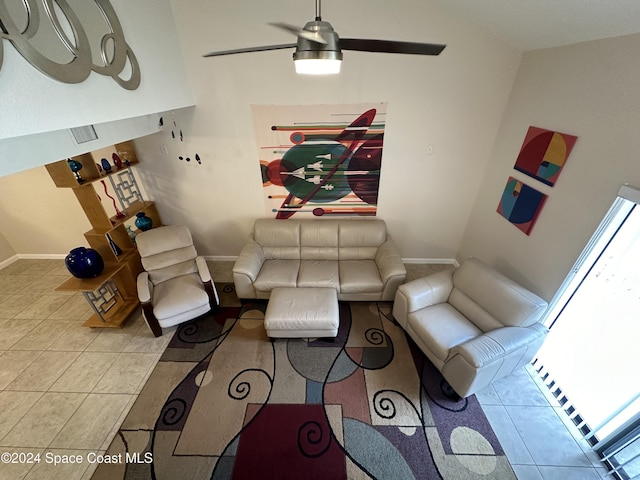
column 84, row 262
column 75, row 167
column 106, row 166
column 143, row 222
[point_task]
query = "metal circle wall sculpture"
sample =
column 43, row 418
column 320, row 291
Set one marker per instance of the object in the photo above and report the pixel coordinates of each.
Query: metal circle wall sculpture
column 55, row 23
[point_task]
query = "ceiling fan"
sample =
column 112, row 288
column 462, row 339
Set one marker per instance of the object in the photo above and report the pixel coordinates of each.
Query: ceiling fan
column 319, row 48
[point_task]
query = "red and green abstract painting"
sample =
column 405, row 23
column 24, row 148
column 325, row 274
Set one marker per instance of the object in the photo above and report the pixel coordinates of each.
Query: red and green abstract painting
column 543, row 154
column 521, row 204
column 320, row 160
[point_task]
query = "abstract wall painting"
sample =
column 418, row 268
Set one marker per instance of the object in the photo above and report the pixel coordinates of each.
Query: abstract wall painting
column 544, row 153
column 521, row 204
column 320, row 160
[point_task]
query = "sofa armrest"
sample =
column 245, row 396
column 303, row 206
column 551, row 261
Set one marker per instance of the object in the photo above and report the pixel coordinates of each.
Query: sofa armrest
column 391, row 268
column 145, row 288
column 249, row 261
column 494, row 346
column 389, row 262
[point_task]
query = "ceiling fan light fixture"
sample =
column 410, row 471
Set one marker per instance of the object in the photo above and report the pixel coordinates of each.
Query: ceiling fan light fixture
column 319, row 62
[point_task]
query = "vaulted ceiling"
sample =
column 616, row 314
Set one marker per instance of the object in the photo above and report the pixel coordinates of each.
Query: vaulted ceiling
column 534, row 24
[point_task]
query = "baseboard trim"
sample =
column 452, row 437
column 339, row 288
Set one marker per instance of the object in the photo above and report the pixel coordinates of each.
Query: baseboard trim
column 220, row 258
column 42, row 256
column 425, row 261
column 8, row 261
column 431, row 261
column 211, row 258
column 32, row 256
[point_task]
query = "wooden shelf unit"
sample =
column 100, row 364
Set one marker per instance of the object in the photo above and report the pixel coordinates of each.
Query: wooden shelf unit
column 121, row 270
column 63, row 177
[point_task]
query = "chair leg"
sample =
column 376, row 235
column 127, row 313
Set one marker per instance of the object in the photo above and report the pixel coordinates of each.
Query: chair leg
column 209, row 288
column 150, row 318
column 449, row 392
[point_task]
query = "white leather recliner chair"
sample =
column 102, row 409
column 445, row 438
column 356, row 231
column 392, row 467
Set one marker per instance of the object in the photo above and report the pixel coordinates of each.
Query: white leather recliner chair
column 176, row 285
column 473, row 323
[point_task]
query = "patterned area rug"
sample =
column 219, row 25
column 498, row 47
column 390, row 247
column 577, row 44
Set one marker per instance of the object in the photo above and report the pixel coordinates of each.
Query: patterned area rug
column 226, row 403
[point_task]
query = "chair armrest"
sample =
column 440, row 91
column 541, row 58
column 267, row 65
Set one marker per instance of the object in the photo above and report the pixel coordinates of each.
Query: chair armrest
column 421, row 293
column 495, row 345
column 249, row 261
column 203, row 269
column 145, row 287
column 427, row 291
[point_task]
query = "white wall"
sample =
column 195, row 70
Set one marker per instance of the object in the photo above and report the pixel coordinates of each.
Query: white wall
column 589, row 90
column 6, row 250
column 38, row 218
column 453, row 102
column 37, row 110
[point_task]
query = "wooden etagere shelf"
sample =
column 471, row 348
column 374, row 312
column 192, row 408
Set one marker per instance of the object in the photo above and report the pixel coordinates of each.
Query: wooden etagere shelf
column 113, row 294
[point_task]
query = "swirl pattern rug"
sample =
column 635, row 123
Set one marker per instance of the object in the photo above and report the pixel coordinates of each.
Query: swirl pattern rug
column 226, row 403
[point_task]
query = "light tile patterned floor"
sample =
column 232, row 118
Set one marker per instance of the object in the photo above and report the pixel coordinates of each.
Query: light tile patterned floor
column 65, row 388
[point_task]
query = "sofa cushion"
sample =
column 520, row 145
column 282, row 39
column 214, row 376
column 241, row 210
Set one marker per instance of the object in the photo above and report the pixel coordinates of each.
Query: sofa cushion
column 280, row 240
column 277, row 273
column 360, row 239
column 488, row 293
column 319, row 240
column 441, row 327
column 319, row 273
column 359, row 276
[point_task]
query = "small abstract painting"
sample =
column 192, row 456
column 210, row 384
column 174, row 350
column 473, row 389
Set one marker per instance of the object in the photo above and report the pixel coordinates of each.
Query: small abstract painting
column 320, row 160
column 544, row 153
column 521, row 204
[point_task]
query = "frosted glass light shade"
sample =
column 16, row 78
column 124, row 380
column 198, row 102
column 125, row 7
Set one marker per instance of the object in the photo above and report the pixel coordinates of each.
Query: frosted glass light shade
column 317, row 66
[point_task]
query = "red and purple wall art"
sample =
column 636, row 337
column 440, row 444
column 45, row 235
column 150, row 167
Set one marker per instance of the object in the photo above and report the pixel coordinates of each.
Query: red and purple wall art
column 320, row 160
column 521, row 204
column 544, row 153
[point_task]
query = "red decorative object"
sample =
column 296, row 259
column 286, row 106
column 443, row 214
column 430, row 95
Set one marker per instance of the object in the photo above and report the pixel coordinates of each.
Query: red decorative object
column 116, row 161
column 119, row 214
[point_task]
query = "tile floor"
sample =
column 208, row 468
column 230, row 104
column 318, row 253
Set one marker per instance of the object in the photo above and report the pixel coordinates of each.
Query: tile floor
column 65, row 389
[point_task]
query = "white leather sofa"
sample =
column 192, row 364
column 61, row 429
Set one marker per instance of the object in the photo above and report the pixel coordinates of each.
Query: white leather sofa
column 356, row 257
column 473, row 323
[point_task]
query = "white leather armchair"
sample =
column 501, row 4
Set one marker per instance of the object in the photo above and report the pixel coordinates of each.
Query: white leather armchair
column 473, row 323
column 176, row 285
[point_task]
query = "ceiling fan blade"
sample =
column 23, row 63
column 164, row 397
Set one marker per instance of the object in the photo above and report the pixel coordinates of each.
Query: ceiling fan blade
column 390, row 46
column 300, row 32
column 251, row 49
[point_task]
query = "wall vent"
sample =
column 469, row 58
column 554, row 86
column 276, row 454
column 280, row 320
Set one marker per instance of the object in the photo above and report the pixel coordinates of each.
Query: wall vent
column 84, row 134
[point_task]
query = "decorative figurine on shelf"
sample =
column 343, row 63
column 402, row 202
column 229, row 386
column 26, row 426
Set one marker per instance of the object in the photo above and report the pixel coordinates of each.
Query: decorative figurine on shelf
column 75, row 167
column 119, row 214
column 84, row 262
column 143, row 222
column 106, row 166
column 132, row 234
column 99, row 167
column 117, row 251
column 117, row 161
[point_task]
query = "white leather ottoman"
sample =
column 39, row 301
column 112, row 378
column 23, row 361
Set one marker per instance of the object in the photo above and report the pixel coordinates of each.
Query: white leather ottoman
column 302, row 313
